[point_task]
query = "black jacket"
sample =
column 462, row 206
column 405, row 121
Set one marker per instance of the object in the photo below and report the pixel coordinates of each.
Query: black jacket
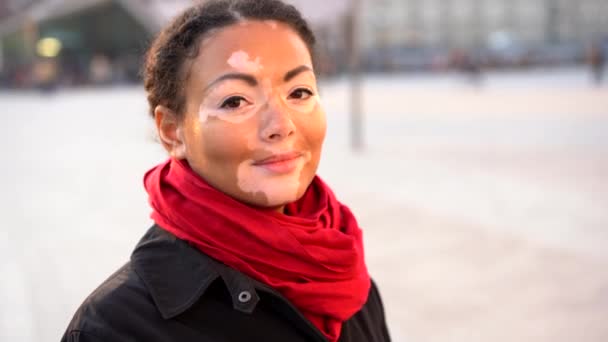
column 170, row 291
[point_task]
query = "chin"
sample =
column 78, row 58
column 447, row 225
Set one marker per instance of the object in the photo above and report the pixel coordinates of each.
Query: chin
column 273, row 200
column 278, row 200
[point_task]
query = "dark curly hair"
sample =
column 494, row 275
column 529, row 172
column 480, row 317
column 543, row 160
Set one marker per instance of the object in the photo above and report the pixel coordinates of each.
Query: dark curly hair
column 163, row 70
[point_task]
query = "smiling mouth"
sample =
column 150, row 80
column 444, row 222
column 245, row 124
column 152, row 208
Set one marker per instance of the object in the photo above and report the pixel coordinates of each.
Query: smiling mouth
column 280, row 163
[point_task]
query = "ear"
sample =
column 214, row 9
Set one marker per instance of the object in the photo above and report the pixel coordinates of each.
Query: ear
column 170, row 131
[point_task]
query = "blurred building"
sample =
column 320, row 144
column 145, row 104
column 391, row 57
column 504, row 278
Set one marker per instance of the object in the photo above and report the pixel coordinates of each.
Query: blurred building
column 102, row 41
column 71, row 42
column 514, row 26
column 468, row 23
column 77, row 41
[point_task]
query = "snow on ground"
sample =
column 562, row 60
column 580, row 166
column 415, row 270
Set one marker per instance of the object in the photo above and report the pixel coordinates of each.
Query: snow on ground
column 484, row 209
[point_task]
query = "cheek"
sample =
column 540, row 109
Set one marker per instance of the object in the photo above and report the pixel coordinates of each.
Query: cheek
column 225, row 142
column 313, row 127
column 208, row 112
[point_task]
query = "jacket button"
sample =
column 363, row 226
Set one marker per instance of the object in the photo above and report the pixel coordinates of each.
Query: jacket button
column 244, row 296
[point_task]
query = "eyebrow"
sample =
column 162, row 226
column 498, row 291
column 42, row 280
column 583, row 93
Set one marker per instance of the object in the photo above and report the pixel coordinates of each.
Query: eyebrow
column 251, row 81
column 295, row 72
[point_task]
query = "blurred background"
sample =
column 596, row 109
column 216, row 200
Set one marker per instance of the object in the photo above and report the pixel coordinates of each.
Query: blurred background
column 470, row 138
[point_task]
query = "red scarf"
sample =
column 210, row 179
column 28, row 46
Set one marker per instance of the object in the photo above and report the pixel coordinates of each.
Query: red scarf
column 313, row 255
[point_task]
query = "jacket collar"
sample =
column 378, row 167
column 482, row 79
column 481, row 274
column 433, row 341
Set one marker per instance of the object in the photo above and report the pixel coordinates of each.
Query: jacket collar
column 177, row 274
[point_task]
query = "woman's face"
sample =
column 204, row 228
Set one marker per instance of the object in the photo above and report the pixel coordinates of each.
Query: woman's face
column 253, row 126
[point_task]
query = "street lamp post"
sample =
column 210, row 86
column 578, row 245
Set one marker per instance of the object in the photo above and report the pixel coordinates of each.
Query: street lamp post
column 552, row 22
column 356, row 112
column 1, row 57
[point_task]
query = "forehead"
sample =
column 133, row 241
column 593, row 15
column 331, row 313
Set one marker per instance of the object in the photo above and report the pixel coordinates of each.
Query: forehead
column 278, row 47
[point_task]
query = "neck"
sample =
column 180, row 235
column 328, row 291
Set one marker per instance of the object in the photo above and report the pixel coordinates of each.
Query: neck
column 280, row 209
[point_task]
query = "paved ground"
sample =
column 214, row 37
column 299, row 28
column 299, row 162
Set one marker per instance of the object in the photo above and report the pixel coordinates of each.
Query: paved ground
column 484, row 210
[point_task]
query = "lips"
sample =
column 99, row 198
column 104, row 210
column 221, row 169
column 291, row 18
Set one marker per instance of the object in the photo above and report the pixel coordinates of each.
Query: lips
column 280, row 163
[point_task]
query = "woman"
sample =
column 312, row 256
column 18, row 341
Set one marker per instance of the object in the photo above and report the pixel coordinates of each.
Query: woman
column 248, row 245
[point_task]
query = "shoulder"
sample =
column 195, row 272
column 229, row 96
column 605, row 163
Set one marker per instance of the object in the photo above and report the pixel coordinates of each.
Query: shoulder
column 369, row 323
column 112, row 309
column 164, row 278
column 374, row 300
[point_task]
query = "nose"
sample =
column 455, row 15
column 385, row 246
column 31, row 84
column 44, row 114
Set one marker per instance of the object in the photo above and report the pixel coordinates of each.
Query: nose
column 277, row 123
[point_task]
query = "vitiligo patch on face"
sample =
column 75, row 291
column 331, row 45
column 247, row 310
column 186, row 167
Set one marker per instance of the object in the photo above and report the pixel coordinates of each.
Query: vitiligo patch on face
column 278, row 189
column 265, row 97
column 206, row 113
column 280, row 96
column 272, row 23
column 241, row 61
column 209, row 107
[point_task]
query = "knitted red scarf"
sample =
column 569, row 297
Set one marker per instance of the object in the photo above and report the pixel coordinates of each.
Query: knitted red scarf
column 313, row 255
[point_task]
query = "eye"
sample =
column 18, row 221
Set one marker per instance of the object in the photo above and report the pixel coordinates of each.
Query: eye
column 232, row 102
column 301, row 94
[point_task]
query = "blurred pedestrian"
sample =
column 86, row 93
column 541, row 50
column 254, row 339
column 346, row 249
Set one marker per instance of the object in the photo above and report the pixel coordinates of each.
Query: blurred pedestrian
column 468, row 64
column 597, row 60
column 100, row 70
column 45, row 74
column 471, row 67
column 248, row 243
